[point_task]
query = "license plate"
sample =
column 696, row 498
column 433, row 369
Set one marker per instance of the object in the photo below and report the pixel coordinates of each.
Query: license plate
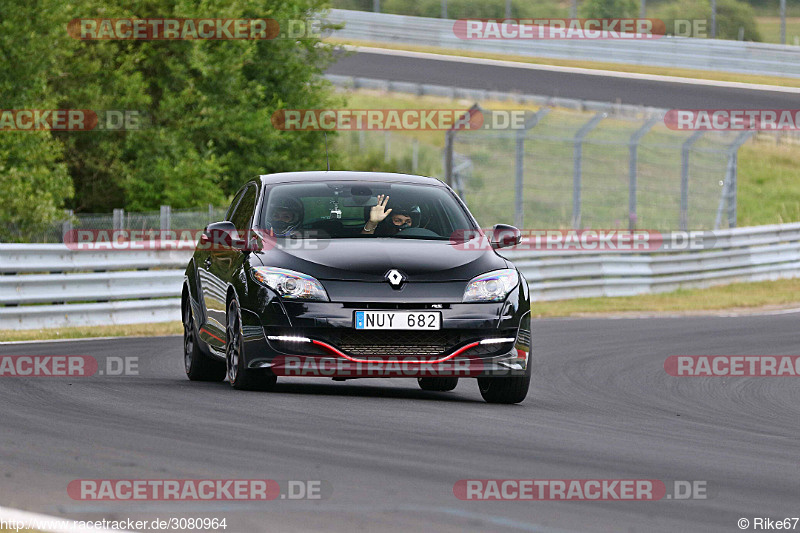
column 427, row 320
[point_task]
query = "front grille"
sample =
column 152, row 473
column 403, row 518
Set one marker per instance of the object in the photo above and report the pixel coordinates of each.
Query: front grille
column 433, row 344
column 392, row 342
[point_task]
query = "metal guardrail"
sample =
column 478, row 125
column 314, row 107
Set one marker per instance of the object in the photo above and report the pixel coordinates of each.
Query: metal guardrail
column 738, row 255
column 54, row 286
column 49, row 285
column 679, row 52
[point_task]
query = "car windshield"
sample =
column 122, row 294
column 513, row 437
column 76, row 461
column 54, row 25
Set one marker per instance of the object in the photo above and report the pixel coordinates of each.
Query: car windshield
column 337, row 209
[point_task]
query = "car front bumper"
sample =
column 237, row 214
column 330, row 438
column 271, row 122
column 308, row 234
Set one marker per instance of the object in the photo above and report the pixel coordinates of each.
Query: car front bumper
column 323, row 342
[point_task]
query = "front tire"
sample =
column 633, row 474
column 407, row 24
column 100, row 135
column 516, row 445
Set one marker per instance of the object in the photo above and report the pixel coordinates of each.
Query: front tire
column 505, row 390
column 239, row 376
column 437, row 384
column 198, row 366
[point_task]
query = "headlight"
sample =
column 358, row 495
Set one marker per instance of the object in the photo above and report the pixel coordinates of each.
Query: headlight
column 491, row 287
column 290, row 284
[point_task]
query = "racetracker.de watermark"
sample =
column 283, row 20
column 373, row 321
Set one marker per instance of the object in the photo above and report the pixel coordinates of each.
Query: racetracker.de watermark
column 558, row 29
column 394, row 367
column 733, row 119
column 733, row 365
column 66, row 366
column 399, row 119
column 73, row 120
column 190, row 490
column 578, row 489
column 213, row 29
column 590, row 240
column 189, row 239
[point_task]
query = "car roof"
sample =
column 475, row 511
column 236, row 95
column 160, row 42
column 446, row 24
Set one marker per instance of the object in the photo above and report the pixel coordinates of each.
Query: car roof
column 342, row 175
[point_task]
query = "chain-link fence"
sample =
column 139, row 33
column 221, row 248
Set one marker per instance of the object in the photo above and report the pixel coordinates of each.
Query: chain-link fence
column 164, row 219
column 569, row 169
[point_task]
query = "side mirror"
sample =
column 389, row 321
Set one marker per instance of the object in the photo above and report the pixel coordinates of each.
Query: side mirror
column 220, row 234
column 504, row 236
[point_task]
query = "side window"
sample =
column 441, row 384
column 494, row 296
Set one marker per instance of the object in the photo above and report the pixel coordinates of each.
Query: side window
column 234, row 203
column 243, row 214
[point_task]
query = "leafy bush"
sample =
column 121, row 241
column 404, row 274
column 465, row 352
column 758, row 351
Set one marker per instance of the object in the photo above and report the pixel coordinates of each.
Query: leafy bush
column 598, row 9
column 731, row 15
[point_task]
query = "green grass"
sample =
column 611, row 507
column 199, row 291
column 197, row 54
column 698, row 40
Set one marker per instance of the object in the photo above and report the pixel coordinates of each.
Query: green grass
column 770, row 29
column 769, row 184
column 131, row 330
column 737, row 296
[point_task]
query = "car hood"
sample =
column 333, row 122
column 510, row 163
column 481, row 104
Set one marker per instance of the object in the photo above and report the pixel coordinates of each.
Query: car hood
column 368, row 259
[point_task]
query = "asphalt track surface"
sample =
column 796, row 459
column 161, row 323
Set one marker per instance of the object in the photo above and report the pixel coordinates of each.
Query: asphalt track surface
column 601, row 406
column 661, row 94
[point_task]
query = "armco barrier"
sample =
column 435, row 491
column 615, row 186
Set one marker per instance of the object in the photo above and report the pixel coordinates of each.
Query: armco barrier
column 48, row 285
column 678, row 52
column 741, row 254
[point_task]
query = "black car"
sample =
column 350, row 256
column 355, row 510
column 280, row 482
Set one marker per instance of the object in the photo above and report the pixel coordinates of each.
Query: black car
column 356, row 274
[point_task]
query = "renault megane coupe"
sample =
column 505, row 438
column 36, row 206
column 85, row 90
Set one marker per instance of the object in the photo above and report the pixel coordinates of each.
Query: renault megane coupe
column 356, row 274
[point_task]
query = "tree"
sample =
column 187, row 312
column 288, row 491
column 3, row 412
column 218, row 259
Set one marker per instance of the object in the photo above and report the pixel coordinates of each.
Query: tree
column 731, row 16
column 210, row 104
column 33, row 177
column 600, row 9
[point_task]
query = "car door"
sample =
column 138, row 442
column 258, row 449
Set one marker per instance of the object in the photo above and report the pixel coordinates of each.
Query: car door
column 220, row 265
column 210, row 332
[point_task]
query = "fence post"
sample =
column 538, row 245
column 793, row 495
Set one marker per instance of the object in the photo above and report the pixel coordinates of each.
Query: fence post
column 687, row 146
column 414, row 155
column 118, row 219
column 519, row 206
column 66, row 226
column 576, row 174
column 633, row 148
column 730, row 190
column 449, row 137
column 166, row 215
column 386, row 142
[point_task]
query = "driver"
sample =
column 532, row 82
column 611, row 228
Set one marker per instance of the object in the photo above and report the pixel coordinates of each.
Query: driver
column 284, row 215
column 402, row 217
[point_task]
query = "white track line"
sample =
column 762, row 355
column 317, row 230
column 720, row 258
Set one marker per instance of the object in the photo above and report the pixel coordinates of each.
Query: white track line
column 573, row 70
column 48, row 524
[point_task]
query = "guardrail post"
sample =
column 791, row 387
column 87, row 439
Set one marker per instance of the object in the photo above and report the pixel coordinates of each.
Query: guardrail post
column 687, row 146
column 166, row 216
column 633, row 148
column 577, row 156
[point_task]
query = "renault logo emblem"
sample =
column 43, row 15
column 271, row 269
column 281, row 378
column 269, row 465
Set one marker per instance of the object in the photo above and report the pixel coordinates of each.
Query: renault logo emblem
column 395, row 278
